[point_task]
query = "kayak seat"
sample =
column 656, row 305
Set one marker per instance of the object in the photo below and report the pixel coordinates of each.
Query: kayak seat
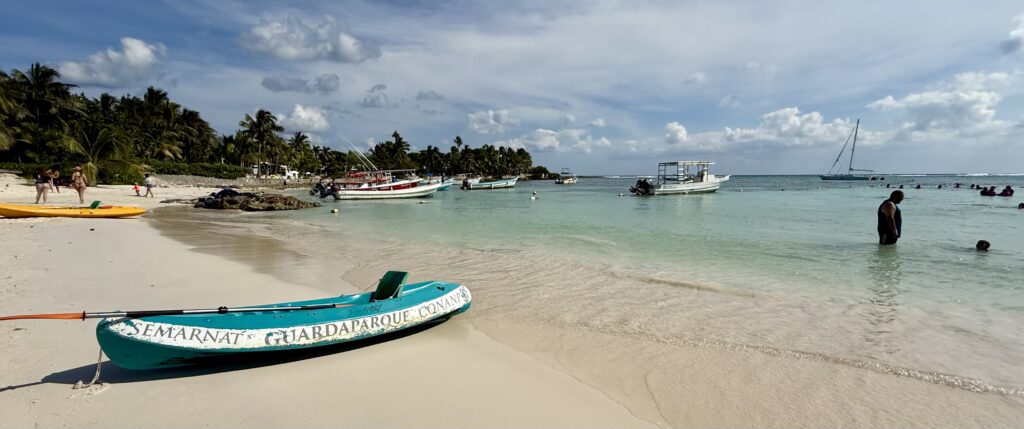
column 389, row 286
column 94, row 204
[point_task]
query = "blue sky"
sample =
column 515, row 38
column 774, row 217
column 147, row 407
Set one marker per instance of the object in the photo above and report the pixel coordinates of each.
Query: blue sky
column 603, row 87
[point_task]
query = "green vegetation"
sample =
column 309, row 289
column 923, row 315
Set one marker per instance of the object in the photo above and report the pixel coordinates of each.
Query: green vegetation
column 43, row 123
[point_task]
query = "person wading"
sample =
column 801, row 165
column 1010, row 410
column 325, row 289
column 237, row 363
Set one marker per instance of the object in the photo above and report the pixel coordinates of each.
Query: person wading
column 890, row 223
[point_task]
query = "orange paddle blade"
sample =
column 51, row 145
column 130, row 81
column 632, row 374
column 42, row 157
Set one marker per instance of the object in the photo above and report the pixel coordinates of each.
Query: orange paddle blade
column 55, row 316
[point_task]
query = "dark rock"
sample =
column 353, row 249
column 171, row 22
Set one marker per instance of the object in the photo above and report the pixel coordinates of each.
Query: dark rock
column 248, row 201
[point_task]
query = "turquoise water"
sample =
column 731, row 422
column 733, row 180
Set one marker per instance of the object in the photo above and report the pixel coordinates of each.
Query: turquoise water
column 783, row 265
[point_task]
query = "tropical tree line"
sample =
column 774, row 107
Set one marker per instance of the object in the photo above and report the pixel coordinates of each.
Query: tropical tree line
column 44, row 122
column 460, row 158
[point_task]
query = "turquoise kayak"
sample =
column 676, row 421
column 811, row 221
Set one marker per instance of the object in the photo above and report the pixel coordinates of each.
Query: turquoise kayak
column 192, row 339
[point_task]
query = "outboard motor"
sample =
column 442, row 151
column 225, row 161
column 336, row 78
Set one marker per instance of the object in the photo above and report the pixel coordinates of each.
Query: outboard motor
column 642, row 187
column 320, row 190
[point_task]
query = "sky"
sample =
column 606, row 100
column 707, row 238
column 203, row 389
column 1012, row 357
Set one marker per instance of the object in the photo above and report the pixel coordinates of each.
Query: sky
column 600, row 87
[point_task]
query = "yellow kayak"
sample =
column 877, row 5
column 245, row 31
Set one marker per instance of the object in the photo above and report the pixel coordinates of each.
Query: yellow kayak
column 24, row 210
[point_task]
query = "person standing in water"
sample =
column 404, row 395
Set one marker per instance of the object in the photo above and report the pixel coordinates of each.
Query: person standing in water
column 890, row 222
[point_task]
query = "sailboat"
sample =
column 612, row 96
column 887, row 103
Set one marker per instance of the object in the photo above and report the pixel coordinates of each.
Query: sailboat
column 849, row 175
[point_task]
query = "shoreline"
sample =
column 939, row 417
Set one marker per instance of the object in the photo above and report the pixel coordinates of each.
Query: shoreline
column 444, row 376
column 750, row 385
column 495, row 366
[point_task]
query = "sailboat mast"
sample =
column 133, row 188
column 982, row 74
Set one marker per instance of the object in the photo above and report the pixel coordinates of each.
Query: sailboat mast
column 854, row 148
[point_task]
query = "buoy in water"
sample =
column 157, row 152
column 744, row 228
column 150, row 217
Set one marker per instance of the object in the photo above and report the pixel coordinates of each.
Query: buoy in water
column 334, row 210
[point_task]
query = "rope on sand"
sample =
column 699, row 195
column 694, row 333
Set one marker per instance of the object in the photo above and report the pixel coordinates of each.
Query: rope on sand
column 95, row 377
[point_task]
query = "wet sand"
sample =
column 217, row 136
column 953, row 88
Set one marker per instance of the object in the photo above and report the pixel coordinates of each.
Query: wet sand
column 659, row 380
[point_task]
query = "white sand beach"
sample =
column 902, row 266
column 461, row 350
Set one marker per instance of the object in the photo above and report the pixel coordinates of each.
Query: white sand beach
column 448, row 376
column 466, row 372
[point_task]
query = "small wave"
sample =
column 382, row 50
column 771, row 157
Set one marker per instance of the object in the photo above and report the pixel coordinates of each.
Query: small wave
column 588, row 240
column 682, row 284
column 949, row 380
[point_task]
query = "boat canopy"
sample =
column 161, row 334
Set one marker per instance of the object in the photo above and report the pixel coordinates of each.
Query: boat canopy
column 685, row 163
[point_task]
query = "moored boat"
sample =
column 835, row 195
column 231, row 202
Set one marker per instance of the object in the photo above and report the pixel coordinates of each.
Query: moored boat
column 566, row 177
column 191, row 339
column 400, row 189
column 493, row 184
column 676, row 177
column 849, row 175
column 25, row 210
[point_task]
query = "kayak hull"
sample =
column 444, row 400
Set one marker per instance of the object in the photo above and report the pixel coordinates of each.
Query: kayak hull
column 23, row 210
column 186, row 340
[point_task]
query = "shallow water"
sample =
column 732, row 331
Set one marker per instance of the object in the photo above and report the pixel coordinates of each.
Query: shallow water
column 782, row 265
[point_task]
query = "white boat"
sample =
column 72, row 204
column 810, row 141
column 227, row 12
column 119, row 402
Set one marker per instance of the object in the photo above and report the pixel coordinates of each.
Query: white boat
column 849, row 175
column 400, row 189
column 680, row 177
column 566, row 178
column 494, row 184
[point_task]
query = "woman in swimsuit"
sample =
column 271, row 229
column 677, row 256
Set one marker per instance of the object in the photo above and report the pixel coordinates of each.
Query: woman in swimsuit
column 78, row 182
column 42, row 181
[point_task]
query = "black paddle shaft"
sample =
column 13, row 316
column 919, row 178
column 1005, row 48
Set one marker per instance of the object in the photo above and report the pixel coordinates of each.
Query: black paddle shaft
column 218, row 310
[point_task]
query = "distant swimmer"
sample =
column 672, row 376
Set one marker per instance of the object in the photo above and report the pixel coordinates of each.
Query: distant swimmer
column 1006, row 192
column 917, row 187
column 982, row 245
column 1020, row 206
column 890, row 221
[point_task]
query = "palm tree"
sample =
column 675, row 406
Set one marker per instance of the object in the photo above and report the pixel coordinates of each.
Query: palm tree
column 43, row 96
column 102, row 148
column 11, row 113
column 262, row 132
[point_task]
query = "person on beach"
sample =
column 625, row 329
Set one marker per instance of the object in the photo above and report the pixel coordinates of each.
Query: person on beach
column 150, row 183
column 890, row 222
column 982, row 245
column 54, row 175
column 78, row 182
column 42, row 181
column 135, row 187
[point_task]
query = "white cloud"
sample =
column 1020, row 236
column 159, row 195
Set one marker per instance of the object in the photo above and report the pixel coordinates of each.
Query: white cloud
column 376, row 98
column 323, row 84
column 292, row 39
column 675, row 133
column 305, row 118
column 788, row 127
column 966, row 105
column 111, row 68
column 564, row 140
column 1014, row 43
column 492, row 121
column 599, row 122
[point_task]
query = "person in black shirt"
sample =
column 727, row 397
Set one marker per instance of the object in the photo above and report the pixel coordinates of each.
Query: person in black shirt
column 42, row 181
column 890, row 222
